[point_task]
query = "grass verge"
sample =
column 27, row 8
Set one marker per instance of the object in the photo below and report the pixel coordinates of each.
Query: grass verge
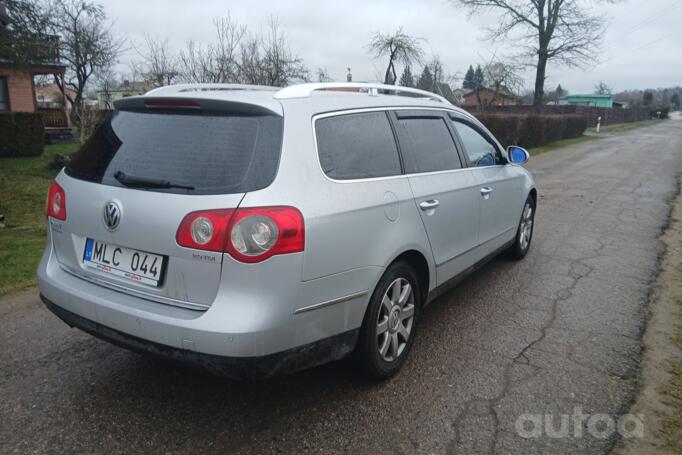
column 23, row 187
column 671, row 424
column 590, row 135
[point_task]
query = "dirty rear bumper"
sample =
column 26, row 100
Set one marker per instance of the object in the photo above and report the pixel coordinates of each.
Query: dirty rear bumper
column 290, row 360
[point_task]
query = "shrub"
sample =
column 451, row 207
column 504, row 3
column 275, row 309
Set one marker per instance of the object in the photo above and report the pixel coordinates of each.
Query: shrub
column 21, row 134
column 533, row 130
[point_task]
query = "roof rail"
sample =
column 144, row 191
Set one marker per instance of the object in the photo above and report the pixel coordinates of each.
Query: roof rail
column 305, row 90
column 183, row 88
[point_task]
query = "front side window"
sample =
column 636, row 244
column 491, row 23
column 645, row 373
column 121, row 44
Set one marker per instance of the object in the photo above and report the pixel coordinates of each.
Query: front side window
column 478, row 149
column 426, row 144
column 355, row 146
column 4, row 98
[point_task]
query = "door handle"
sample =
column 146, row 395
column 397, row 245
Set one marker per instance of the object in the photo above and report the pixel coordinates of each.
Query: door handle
column 429, row 205
column 486, row 190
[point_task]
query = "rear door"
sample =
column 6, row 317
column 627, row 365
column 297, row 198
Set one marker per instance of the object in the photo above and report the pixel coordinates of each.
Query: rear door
column 499, row 186
column 445, row 191
column 121, row 232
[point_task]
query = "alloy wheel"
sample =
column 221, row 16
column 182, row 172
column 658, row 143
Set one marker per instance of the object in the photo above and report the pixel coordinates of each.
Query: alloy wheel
column 395, row 319
column 526, row 226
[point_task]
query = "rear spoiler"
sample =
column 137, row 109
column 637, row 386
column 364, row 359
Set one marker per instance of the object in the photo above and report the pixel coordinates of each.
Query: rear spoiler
column 181, row 103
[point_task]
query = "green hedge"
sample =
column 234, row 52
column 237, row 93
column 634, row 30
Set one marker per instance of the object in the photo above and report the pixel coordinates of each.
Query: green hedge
column 21, row 134
column 533, row 130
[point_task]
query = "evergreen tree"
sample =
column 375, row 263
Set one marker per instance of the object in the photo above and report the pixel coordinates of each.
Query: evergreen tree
column 479, row 78
column 407, row 80
column 560, row 91
column 469, row 83
column 425, row 80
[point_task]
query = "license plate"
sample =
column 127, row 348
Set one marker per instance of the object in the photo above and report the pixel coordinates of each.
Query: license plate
column 134, row 265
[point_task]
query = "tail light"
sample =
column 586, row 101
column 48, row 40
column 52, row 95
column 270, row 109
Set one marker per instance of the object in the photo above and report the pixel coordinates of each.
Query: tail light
column 247, row 234
column 55, row 205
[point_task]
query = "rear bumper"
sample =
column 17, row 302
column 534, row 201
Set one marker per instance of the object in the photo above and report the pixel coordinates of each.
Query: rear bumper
column 260, row 367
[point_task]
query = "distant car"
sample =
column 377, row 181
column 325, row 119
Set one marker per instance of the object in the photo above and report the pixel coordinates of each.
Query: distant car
column 258, row 230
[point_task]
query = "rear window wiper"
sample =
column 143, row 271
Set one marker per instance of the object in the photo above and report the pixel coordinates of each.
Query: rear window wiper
column 143, row 182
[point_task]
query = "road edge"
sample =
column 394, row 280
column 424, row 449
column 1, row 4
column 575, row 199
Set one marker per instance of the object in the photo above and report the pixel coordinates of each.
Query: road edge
column 661, row 353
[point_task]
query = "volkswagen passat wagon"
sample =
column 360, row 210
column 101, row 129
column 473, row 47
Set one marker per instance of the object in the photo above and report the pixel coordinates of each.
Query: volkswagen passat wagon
column 256, row 230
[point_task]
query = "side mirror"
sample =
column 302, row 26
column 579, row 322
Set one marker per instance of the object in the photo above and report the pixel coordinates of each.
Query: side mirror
column 517, row 155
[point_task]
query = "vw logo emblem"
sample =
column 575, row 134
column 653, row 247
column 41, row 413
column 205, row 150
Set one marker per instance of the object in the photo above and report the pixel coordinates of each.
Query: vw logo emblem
column 112, row 215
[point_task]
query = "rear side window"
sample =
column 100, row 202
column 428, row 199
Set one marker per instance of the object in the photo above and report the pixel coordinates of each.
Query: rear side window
column 211, row 153
column 355, row 146
column 426, row 144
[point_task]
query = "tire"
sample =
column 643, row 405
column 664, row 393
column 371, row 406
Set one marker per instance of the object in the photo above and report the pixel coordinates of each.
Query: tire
column 524, row 233
column 390, row 323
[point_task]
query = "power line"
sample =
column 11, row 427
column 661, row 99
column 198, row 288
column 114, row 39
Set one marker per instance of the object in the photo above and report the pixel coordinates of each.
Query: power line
column 651, row 43
column 661, row 14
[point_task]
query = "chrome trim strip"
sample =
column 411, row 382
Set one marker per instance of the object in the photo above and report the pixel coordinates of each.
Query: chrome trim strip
column 331, row 302
column 135, row 293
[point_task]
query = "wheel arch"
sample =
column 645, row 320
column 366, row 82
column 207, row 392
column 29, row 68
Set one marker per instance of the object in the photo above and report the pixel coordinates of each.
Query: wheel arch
column 534, row 194
column 423, row 268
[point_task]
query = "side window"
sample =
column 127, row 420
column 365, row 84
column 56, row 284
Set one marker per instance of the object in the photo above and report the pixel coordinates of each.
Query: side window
column 426, row 144
column 4, row 98
column 478, row 149
column 354, row 146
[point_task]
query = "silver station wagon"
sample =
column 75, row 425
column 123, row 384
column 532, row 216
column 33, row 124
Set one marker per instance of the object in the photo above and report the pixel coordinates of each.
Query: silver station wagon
column 256, row 230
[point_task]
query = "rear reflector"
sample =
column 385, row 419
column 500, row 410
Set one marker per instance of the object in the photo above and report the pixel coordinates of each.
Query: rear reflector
column 247, row 234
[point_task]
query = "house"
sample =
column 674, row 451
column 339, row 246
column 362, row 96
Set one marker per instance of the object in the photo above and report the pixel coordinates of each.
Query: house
column 107, row 96
column 458, row 95
column 489, row 97
column 50, row 96
column 20, row 62
column 444, row 90
column 592, row 100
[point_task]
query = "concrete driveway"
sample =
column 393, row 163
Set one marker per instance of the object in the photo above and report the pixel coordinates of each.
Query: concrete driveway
column 558, row 333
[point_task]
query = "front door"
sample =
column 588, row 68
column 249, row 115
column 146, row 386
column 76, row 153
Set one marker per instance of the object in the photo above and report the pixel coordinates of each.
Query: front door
column 499, row 187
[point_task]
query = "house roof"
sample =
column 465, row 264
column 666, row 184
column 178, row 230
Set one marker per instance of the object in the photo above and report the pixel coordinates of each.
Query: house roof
column 503, row 93
column 589, row 95
column 444, row 90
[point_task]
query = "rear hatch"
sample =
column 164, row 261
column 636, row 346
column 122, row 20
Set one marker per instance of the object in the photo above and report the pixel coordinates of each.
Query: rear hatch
column 143, row 170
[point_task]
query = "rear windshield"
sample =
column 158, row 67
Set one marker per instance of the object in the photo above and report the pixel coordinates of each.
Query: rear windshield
column 210, row 153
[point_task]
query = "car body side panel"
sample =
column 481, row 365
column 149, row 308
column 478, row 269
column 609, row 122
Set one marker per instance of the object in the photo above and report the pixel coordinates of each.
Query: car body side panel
column 500, row 209
column 452, row 227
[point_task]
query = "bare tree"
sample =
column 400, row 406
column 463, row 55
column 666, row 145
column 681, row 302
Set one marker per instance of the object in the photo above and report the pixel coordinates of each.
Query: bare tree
column 551, row 30
column 267, row 59
column 502, row 79
column 159, row 65
column 86, row 45
column 399, row 47
column 602, row 89
column 323, row 75
column 217, row 62
column 106, row 81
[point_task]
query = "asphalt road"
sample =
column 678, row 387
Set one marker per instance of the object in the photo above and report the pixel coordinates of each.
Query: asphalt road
column 555, row 332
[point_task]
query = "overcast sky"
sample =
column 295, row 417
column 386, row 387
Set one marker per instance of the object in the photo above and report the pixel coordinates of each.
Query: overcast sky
column 642, row 46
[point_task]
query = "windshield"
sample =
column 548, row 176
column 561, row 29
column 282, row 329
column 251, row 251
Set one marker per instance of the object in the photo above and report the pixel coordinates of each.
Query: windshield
column 195, row 153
